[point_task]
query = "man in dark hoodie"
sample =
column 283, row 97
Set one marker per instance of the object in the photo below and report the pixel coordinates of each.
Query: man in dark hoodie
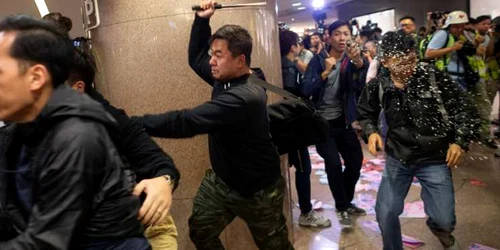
column 332, row 79
column 154, row 170
column 246, row 178
column 431, row 123
column 298, row 158
column 62, row 184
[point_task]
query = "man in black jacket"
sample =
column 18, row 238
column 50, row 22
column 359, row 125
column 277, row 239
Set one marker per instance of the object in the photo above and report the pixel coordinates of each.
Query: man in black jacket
column 154, row 170
column 62, row 184
column 298, row 158
column 246, row 178
column 332, row 79
column 431, row 123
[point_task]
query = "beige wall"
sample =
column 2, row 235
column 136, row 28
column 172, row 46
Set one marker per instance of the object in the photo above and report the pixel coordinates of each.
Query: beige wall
column 142, row 49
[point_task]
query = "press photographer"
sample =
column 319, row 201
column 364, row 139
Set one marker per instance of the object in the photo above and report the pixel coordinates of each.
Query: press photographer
column 449, row 48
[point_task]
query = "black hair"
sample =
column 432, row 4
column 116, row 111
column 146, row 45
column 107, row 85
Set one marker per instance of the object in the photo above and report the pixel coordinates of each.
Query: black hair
column 64, row 23
column 40, row 42
column 238, row 40
column 307, row 41
column 366, row 33
column 407, row 17
column 424, row 29
column 287, row 40
column 472, row 20
column 377, row 29
column 84, row 68
column 337, row 24
column 482, row 18
column 395, row 43
column 317, row 34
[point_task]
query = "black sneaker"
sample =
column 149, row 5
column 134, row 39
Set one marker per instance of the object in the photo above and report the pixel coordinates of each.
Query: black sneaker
column 344, row 219
column 490, row 144
column 356, row 211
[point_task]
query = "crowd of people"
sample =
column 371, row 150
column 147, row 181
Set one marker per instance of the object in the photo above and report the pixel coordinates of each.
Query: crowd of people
column 78, row 173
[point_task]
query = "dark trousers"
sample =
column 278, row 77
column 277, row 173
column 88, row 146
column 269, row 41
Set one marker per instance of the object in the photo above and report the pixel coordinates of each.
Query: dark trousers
column 132, row 243
column 342, row 139
column 301, row 160
column 216, row 205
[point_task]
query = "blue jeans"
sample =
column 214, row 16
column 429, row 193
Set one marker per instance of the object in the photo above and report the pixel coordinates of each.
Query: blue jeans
column 301, row 160
column 437, row 194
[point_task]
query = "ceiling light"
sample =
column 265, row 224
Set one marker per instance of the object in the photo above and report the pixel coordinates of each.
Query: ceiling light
column 318, row 3
column 301, row 8
column 42, row 7
column 296, row 4
column 293, row 19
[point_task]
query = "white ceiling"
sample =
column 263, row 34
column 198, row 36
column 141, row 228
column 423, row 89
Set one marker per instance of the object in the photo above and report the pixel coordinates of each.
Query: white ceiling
column 298, row 20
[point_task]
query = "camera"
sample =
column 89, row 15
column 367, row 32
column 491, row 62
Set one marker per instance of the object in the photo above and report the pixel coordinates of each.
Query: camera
column 437, row 15
column 469, row 49
column 369, row 26
column 354, row 22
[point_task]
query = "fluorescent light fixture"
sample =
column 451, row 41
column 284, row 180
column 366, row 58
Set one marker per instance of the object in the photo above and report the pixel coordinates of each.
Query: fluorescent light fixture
column 301, row 8
column 293, row 19
column 296, row 4
column 42, row 7
column 318, row 4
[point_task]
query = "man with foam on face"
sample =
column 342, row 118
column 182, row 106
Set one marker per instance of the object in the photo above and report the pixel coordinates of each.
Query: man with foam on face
column 431, row 123
column 245, row 180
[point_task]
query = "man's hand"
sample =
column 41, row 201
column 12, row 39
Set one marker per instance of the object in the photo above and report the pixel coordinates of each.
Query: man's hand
column 454, row 155
column 155, row 208
column 354, row 53
column 329, row 63
column 374, row 142
column 457, row 46
column 208, row 7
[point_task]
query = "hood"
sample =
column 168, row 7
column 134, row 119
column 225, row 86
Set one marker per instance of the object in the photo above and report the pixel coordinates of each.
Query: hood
column 66, row 102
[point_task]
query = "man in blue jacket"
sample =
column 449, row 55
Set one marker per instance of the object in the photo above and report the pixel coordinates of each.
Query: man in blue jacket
column 331, row 80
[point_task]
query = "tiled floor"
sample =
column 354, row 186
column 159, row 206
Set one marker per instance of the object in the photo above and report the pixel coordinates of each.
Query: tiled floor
column 477, row 207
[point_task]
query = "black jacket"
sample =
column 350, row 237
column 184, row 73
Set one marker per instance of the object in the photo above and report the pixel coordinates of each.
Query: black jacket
column 80, row 192
column 143, row 155
column 417, row 131
column 236, row 120
column 291, row 76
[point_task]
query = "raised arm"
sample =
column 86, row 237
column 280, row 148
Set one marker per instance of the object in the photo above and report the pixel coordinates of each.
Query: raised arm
column 198, row 57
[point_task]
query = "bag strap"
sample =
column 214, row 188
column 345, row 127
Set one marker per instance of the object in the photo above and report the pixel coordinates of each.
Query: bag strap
column 275, row 89
column 435, row 89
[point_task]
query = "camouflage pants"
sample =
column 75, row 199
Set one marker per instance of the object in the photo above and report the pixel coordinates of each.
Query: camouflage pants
column 216, row 205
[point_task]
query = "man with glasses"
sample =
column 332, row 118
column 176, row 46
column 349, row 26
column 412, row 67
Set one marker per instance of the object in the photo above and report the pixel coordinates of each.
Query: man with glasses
column 430, row 127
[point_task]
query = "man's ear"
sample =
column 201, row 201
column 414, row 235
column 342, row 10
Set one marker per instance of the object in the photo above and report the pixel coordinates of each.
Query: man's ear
column 79, row 86
column 38, row 76
column 242, row 60
column 384, row 62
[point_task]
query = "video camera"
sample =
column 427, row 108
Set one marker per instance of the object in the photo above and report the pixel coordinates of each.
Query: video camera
column 369, row 26
column 437, row 15
column 319, row 17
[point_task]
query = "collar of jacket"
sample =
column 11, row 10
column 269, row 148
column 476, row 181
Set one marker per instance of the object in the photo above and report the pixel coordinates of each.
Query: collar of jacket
column 236, row 81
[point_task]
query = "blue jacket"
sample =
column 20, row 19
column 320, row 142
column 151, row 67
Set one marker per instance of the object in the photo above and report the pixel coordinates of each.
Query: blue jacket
column 352, row 80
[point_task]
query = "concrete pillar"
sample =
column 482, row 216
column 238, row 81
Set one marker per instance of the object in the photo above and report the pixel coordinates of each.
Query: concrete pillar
column 142, row 51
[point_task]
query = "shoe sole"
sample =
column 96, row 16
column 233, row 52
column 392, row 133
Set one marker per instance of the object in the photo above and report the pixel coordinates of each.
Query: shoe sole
column 315, row 225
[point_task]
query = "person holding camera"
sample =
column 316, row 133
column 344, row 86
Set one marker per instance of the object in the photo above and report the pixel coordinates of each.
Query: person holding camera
column 332, row 79
column 454, row 53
